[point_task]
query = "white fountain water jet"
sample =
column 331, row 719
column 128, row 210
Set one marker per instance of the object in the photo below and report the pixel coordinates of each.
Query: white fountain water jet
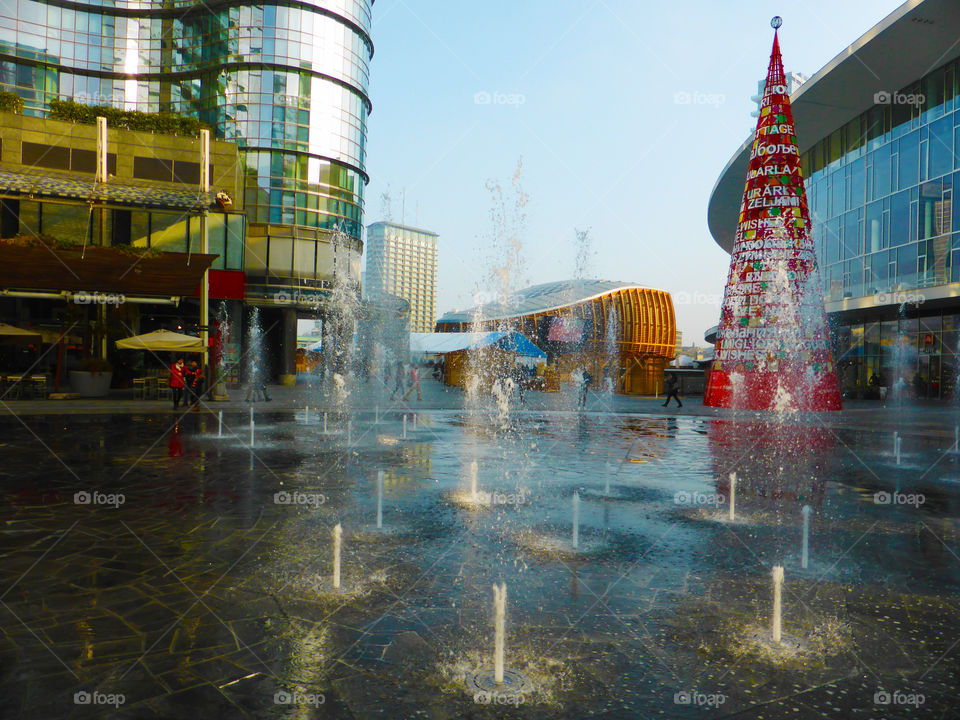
column 220, row 423
column 897, row 445
column 473, row 481
column 805, row 551
column 379, row 499
column 404, row 426
column 252, row 426
column 324, row 423
column 337, row 542
column 306, row 414
column 575, row 541
column 349, row 432
column 499, row 630
column 414, row 421
column 777, row 605
column 733, row 496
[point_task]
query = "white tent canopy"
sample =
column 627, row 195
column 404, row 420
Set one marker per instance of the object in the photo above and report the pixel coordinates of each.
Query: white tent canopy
column 162, row 341
column 439, row 343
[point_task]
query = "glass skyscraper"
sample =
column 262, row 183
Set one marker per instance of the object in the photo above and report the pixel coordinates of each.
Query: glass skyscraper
column 287, row 83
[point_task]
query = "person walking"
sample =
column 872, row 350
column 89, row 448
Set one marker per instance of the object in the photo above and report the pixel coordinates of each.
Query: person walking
column 196, row 384
column 671, row 387
column 585, row 380
column 177, row 383
column 399, row 382
column 189, row 376
column 517, row 375
column 414, row 382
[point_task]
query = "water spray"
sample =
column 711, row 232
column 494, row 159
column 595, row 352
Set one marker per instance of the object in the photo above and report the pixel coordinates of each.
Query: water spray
column 576, row 520
column 777, row 605
column 337, row 542
column 733, row 496
column 805, row 551
column 499, row 628
column 379, row 499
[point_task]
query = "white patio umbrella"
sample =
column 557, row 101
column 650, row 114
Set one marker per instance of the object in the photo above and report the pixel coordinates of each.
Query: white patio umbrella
column 11, row 334
column 162, row 341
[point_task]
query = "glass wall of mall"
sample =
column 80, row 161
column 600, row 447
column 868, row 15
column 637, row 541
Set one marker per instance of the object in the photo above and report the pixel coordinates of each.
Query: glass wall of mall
column 919, row 352
column 883, row 193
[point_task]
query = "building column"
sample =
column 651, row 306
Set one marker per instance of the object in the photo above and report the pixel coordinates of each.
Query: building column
column 288, row 371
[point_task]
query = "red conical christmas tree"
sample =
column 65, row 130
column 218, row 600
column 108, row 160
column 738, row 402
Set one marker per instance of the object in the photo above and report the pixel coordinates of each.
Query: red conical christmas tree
column 772, row 350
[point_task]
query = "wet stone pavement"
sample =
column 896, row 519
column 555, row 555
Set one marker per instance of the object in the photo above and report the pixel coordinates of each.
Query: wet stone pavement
column 152, row 571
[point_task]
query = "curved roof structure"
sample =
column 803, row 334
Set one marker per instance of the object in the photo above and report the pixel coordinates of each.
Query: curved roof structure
column 538, row 299
column 916, row 38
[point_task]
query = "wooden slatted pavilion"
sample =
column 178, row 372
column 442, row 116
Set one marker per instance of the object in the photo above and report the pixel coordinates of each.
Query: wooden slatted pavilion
column 618, row 331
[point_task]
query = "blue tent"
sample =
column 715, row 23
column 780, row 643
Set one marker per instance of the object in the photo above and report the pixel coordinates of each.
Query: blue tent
column 439, row 343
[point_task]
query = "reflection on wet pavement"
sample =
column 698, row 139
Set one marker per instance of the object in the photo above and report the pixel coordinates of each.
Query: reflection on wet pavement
column 168, row 572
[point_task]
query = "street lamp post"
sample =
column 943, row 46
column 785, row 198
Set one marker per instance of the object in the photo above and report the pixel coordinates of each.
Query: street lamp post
column 205, row 249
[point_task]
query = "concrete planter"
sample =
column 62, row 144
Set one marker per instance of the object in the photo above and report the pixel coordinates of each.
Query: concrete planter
column 90, row 384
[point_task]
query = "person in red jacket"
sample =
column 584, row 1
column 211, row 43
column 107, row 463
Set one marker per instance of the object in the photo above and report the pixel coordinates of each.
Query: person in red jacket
column 176, row 381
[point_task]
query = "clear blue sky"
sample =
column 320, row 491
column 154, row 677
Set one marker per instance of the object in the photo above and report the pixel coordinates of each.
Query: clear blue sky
column 588, row 98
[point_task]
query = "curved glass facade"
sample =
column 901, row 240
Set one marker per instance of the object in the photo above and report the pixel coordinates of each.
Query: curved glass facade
column 287, row 83
column 883, row 193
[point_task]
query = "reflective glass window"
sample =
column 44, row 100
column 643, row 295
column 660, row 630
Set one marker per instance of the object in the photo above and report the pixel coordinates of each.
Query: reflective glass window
column 940, row 147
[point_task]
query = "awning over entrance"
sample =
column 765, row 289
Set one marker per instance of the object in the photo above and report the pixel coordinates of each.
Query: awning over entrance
column 46, row 183
column 100, row 270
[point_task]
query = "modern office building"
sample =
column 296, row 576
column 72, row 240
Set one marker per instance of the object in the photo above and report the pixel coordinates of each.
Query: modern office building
column 287, row 82
column 100, row 261
column 879, row 135
column 619, row 332
column 402, row 262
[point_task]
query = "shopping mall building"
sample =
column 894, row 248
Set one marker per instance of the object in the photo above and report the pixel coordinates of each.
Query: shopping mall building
column 285, row 81
column 879, row 133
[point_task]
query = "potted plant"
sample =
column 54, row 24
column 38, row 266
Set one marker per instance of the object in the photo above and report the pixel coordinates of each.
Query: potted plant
column 93, row 378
